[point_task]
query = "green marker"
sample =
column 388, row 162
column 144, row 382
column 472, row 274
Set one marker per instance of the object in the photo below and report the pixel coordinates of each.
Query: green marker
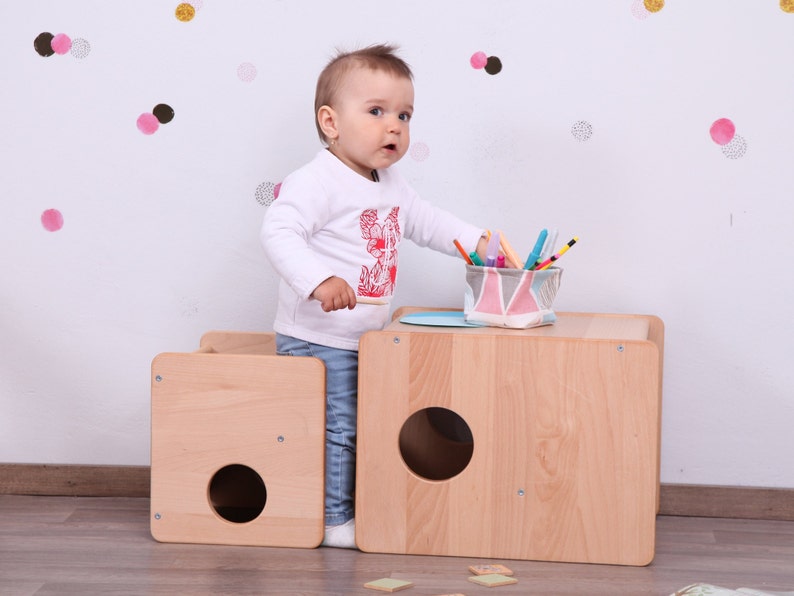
column 475, row 258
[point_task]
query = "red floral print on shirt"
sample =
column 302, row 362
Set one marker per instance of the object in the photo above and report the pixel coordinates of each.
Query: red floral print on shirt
column 382, row 240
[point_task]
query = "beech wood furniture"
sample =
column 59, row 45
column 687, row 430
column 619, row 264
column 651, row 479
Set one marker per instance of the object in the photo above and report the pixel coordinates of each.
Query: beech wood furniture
column 537, row 444
column 238, row 444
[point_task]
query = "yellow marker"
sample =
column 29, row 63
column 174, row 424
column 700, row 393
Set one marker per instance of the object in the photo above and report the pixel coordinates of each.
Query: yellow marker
column 545, row 264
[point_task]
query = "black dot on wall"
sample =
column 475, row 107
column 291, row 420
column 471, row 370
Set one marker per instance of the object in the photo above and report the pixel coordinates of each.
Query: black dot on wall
column 163, row 112
column 43, row 44
column 493, row 66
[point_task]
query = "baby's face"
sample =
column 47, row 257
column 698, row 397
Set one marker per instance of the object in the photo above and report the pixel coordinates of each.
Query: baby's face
column 373, row 111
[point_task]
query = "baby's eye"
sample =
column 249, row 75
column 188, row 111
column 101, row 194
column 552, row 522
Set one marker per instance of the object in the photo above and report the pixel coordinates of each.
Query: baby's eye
column 376, row 112
column 405, row 116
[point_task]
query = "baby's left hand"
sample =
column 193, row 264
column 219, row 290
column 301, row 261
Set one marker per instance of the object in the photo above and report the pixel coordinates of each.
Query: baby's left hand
column 335, row 294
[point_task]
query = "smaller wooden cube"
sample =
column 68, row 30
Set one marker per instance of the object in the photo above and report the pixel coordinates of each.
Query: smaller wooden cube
column 238, row 443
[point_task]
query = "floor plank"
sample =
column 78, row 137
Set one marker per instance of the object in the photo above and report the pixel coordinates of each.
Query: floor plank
column 101, row 545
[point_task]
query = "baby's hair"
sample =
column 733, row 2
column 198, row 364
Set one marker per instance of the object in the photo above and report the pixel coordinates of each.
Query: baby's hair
column 382, row 57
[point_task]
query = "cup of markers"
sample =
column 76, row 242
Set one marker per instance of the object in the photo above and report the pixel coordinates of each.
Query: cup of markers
column 504, row 292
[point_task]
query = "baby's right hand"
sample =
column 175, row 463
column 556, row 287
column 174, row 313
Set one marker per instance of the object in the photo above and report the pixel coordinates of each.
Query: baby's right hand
column 334, row 294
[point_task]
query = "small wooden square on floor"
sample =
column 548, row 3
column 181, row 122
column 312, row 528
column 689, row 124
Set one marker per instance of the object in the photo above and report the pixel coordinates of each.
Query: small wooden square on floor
column 493, row 579
column 388, row 584
column 489, row 569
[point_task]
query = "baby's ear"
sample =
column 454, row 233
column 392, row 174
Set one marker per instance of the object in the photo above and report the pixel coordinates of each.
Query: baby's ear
column 326, row 118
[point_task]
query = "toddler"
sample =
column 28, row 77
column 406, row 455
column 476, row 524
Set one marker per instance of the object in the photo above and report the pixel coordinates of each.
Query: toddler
column 333, row 237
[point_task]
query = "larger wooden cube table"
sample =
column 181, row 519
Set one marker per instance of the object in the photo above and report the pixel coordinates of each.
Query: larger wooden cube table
column 538, row 444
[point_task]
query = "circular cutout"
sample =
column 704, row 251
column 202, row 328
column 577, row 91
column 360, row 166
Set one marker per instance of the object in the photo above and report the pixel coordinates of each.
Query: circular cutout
column 436, row 443
column 237, row 493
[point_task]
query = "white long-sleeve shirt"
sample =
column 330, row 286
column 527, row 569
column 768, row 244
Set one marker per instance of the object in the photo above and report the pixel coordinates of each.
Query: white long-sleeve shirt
column 330, row 221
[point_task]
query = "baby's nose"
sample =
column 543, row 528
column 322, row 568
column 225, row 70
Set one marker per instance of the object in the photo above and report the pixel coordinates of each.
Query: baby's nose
column 395, row 124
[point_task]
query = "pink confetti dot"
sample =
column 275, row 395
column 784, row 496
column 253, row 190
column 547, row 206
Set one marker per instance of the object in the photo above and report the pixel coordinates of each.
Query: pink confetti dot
column 478, row 60
column 639, row 11
column 246, row 72
column 419, row 151
column 148, row 123
column 52, row 220
column 61, row 44
column 277, row 190
column 722, row 131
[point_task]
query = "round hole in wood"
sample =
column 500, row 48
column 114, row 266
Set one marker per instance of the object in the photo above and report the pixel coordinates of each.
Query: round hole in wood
column 237, row 493
column 436, row 443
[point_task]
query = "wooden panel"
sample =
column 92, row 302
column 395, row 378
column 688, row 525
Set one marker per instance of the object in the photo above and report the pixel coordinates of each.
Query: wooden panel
column 565, row 432
column 239, row 342
column 266, row 413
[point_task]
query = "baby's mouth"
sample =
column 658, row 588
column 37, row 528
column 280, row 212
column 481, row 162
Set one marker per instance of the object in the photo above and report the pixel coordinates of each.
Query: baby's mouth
column 391, row 147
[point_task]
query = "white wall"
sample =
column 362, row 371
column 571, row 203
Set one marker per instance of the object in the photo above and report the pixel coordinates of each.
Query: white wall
column 159, row 241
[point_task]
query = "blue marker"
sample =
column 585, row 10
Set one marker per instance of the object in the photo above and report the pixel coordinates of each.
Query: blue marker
column 535, row 254
column 548, row 248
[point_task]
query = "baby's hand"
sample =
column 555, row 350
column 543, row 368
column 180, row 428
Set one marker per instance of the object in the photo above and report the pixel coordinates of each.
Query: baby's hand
column 334, row 294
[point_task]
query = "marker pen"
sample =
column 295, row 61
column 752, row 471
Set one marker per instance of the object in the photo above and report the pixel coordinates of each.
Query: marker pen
column 475, row 258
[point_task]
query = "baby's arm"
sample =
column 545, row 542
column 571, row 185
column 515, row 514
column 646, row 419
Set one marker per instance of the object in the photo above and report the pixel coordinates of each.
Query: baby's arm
column 482, row 248
column 335, row 294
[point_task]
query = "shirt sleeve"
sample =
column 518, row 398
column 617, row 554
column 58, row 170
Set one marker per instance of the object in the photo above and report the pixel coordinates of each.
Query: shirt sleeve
column 436, row 228
column 287, row 228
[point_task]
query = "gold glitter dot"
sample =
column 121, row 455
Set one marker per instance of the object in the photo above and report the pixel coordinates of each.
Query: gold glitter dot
column 654, row 5
column 185, row 12
column 787, row 6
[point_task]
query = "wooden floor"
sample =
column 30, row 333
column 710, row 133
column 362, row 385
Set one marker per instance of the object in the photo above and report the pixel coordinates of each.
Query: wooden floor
column 101, row 545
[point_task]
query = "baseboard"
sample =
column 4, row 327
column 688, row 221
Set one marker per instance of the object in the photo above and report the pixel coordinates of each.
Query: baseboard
column 689, row 500
column 744, row 502
column 74, row 480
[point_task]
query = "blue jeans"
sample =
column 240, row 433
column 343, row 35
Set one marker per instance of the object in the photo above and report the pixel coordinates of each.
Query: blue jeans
column 341, row 391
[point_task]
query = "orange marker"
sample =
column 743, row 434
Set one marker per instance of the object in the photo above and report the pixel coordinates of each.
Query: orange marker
column 512, row 258
column 463, row 252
